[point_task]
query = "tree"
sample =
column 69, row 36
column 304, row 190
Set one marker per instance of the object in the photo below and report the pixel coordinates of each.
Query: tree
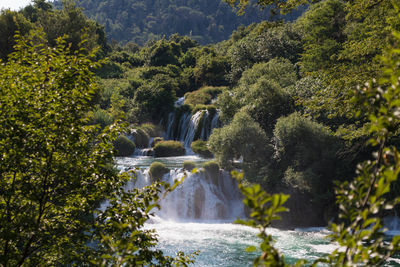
column 155, row 99
column 242, row 139
column 284, row 5
column 306, row 157
column 260, row 92
column 11, row 22
column 55, row 169
column 71, row 21
column 359, row 231
column 323, row 26
column 162, row 53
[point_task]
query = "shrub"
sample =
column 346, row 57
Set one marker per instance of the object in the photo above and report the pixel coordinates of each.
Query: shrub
column 203, row 96
column 156, row 140
column 200, row 147
column 141, row 137
column 242, row 138
column 151, row 129
column 169, row 149
column 189, row 165
column 210, row 108
column 155, row 98
column 124, row 146
column 102, row 118
column 157, row 170
column 184, row 108
column 306, row 149
column 212, row 168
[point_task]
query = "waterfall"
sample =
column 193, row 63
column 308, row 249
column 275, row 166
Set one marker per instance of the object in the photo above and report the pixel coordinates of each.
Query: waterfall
column 144, row 152
column 187, row 127
column 191, row 128
column 392, row 223
column 179, row 102
column 201, row 196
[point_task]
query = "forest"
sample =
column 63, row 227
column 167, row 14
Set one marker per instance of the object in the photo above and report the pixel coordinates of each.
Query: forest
column 302, row 100
column 142, row 21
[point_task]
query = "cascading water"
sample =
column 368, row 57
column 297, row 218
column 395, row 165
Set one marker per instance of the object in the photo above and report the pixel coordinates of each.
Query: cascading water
column 197, row 215
column 201, row 196
column 392, row 223
column 145, row 152
column 187, row 127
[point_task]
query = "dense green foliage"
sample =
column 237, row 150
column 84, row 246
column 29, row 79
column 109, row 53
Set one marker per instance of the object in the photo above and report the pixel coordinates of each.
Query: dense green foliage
column 157, row 170
column 141, row 21
column 360, row 232
column 140, row 137
column 204, row 95
column 242, row 139
column 56, row 169
column 200, row 147
column 169, row 149
column 69, row 21
column 124, row 146
column 320, row 59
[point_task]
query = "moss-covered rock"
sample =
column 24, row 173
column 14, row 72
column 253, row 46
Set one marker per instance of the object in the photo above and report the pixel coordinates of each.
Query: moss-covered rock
column 124, row 146
column 157, row 170
column 204, row 95
column 209, row 108
column 200, row 147
column 141, row 138
column 212, row 170
column 189, row 165
column 151, row 129
column 156, row 140
column 169, row 149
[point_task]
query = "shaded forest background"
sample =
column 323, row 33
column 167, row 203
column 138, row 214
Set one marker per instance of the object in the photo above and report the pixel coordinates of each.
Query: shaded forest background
column 206, row 21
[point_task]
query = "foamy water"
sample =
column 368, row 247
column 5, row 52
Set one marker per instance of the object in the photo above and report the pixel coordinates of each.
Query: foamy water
column 224, row 244
column 188, row 222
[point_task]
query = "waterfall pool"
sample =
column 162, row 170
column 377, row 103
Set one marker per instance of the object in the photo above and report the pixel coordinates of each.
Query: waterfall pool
column 224, row 244
column 186, row 224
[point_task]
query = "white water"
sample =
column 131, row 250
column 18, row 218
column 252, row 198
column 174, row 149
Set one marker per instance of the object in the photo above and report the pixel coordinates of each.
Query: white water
column 202, row 123
column 200, row 196
column 224, row 244
column 179, row 102
column 198, row 215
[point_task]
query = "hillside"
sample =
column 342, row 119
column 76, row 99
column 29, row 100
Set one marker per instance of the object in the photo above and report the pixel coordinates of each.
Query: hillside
column 206, row 21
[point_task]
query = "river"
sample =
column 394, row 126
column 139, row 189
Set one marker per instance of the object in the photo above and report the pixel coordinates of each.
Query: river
column 220, row 241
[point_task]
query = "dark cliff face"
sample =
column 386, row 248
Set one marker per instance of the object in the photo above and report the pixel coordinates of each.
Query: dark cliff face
column 304, row 212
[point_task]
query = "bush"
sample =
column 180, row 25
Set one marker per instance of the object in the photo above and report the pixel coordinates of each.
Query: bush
column 151, row 129
column 210, row 108
column 102, row 118
column 169, row 149
column 200, row 147
column 212, row 168
column 203, row 96
column 156, row 140
column 189, row 165
column 124, row 146
column 141, row 137
column 155, row 98
column 242, row 138
column 157, row 170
